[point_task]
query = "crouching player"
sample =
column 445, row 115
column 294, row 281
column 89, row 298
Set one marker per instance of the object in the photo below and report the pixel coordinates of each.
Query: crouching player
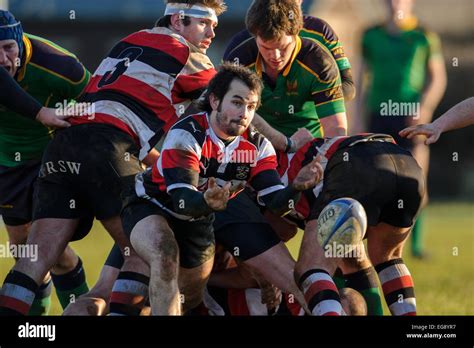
column 388, row 182
column 204, row 161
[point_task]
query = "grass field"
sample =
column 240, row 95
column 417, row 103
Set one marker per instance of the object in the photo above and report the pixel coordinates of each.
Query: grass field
column 444, row 284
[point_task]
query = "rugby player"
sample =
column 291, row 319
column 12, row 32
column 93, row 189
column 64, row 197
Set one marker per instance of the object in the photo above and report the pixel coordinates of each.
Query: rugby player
column 206, row 159
column 138, row 92
column 51, row 75
column 302, row 84
column 406, row 68
column 388, row 182
column 459, row 116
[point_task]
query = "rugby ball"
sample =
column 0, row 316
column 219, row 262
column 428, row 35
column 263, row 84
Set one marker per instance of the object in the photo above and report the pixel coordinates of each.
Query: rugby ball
column 343, row 222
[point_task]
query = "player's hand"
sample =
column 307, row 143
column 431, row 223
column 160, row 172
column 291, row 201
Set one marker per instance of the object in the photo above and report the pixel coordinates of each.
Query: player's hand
column 215, row 196
column 50, row 118
column 300, row 138
column 429, row 130
column 310, row 175
column 271, row 295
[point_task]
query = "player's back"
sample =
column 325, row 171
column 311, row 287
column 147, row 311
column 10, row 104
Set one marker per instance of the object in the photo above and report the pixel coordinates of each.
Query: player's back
column 146, row 82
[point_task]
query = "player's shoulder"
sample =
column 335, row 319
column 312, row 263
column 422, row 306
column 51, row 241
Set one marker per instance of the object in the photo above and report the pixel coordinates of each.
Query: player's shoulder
column 318, row 26
column 52, row 59
column 317, row 60
column 160, row 39
column 243, row 48
column 253, row 136
column 425, row 33
column 196, row 125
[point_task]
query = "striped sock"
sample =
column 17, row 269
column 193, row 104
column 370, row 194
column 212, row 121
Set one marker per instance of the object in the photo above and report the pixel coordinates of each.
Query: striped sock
column 397, row 285
column 17, row 294
column 129, row 294
column 71, row 285
column 42, row 302
column 366, row 282
column 320, row 292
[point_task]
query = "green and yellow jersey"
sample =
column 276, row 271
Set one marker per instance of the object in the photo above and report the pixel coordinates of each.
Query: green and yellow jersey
column 51, row 75
column 308, row 89
column 397, row 63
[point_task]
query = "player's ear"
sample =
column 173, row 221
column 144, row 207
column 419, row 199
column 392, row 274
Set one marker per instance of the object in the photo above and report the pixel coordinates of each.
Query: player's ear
column 214, row 101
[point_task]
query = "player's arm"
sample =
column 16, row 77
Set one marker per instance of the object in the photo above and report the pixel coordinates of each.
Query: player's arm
column 337, row 50
column 266, row 181
column 280, row 141
column 459, row 116
column 436, row 85
column 15, row 98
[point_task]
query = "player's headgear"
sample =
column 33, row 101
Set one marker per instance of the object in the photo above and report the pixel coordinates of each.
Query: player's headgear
column 196, row 11
column 10, row 29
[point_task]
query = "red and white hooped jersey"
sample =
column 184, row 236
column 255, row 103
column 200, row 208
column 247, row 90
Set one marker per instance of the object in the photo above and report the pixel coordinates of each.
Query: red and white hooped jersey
column 145, row 83
column 192, row 153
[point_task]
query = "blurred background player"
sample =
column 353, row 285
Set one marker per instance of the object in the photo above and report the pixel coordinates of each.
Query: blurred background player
column 407, row 72
column 459, row 116
column 51, row 75
column 132, row 112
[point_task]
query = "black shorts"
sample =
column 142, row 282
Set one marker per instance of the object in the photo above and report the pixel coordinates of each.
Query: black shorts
column 83, row 172
column 195, row 238
column 382, row 176
column 242, row 228
column 16, row 192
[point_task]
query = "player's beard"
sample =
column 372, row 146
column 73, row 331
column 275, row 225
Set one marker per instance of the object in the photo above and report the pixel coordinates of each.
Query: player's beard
column 230, row 128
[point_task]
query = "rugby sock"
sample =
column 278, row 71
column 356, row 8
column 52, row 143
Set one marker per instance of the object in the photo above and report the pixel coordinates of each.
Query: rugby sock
column 71, row 285
column 397, row 285
column 17, row 294
column 339, row 279
column 366, row 282
column 320, row 292
column 129, row 294
column 42, row 302
column 417, row 237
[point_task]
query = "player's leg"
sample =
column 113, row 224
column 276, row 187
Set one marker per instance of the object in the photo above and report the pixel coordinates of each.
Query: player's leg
column 17, row 230
column 385, row 246
column 192, row 284
column 360, row 275
column 313, row 273
column 131, row 288
column 49, row 237
column 153, row 240
column 385, row 241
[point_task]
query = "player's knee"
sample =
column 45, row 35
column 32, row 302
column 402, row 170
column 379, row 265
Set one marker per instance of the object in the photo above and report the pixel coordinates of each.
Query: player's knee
column 86, row 305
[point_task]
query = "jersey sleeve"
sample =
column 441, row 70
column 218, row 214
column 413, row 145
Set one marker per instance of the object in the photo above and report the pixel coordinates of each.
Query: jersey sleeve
column 264, row 177
column 326, row 88
column 180, row 158
column 15, row 98
column 314, row 27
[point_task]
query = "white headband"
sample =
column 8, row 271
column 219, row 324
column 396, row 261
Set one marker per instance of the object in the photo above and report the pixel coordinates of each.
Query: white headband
column 195, row 11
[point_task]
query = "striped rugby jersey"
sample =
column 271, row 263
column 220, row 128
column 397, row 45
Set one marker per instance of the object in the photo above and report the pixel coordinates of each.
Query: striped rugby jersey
column 192, row 153
column 290, row 164
column 146, row 82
